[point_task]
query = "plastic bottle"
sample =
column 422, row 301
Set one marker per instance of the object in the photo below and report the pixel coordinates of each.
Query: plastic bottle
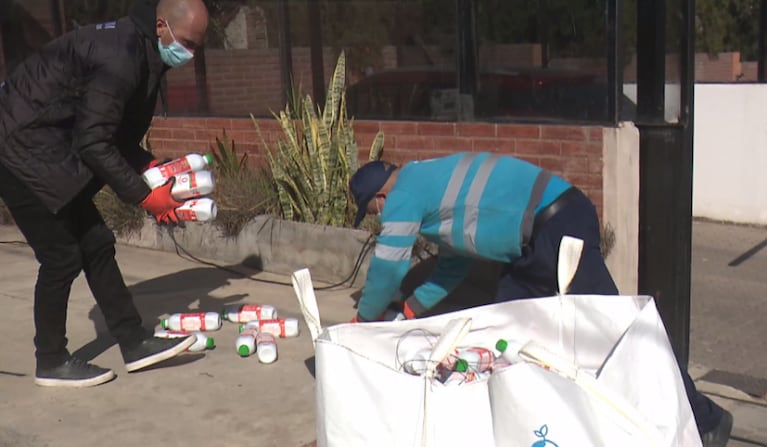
column 266, row 347
column 192, row 185
column 203, row 341
column 509, row 351
column 160, row 174
column 197, row 210
column 277, row 327
column 246, row 341
column 190, row 322
column 418, row 363
column 474, row 359
column 249, row 312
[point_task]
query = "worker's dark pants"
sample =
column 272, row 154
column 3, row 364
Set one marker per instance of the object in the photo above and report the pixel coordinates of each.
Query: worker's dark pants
column 73, row 240
column 534, row 274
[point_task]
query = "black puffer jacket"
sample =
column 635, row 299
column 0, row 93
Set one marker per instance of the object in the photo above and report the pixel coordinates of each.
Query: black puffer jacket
column 72, row 115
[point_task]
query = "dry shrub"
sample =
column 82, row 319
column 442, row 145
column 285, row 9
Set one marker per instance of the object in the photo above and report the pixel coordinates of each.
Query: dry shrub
column 241, row 197
column 123, row 218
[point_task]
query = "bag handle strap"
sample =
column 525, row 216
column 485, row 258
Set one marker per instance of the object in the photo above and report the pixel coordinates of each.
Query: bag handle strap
column 536, row 354
column 570, row 249
column 302, row 285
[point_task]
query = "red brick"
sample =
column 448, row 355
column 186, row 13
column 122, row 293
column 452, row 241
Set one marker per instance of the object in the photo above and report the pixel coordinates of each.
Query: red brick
column 399, row 127
column 193, row 123
column 530, row 159
column 367, row 126
column 243, row 136
column 169, row 145
column 207, row 135
column 454, row 144
column 183, row 134
column 167, row 123
column 505, row 145
column 538, row 147
column 265, row 125
column 475, row 130
column 218, row 123
column 563, row 133
column 518, row 131
column 427, row 155
column 396, row 156
column 575, row 165
column 242, row 123
column 418, row 143
column 571, row 148
column 596, row 133
column 584, row 181
column 155, row 133
column 442, row 129
column 553, row 164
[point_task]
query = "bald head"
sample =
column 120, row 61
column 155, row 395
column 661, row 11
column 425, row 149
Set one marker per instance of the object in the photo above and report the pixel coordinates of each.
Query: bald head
column 186, row 20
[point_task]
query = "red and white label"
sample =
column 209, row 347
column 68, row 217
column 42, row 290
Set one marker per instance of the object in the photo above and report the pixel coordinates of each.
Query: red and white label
column 264, row 338
column 175, row 167
column 192, row 322
column 486, row 358
column 187, row 212
column 249, row 312
column 274, row 327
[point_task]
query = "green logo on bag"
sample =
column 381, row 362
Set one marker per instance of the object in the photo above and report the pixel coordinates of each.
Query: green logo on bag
column 541, row 433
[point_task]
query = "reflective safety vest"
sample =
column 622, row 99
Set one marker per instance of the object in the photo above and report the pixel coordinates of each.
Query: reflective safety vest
column 472, row 205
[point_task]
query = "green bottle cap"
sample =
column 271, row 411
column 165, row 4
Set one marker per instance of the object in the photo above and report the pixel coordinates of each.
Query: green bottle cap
column 239, row 329
column 210, row 343
column 243, row 351
column 164, row 324
column 224, row 315
column 461, row 365
column 502, row 345
column 208, row 159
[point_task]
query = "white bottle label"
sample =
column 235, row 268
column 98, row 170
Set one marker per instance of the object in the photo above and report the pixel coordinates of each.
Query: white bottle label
column 192, row 322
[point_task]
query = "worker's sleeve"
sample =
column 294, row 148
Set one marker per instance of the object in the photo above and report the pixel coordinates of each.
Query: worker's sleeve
column 401, row 223
column 450, row 272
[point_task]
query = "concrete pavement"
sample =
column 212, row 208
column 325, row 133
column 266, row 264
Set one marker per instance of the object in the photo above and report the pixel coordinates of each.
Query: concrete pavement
column 220, row 399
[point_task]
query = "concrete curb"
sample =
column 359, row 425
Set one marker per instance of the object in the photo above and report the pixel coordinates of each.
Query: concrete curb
column 333, row 254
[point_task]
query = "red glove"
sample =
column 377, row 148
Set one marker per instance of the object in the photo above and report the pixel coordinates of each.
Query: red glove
column 161, row 204
column 407, row 311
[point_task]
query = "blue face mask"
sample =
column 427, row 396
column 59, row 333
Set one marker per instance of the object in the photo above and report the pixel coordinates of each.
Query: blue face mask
column 174, row 54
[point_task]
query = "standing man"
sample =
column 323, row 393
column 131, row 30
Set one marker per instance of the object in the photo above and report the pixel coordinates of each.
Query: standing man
column 71, row 120
column 486, row 206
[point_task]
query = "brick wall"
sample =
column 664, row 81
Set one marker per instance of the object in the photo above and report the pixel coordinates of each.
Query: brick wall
column 575, row 152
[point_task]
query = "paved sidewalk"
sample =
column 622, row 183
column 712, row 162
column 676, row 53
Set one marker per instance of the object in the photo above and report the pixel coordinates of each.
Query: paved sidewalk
column 218, row 398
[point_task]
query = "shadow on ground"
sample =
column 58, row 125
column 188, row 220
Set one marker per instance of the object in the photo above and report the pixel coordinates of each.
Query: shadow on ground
column 177, row 292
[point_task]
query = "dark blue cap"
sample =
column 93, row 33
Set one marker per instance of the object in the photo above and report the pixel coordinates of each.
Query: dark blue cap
column 366, row 182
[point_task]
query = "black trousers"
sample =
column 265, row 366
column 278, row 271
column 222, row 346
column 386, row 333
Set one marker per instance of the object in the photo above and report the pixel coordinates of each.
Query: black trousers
column 535, row 274
column 73, row 240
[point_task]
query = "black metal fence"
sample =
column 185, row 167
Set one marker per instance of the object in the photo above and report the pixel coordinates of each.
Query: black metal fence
column 489, row 60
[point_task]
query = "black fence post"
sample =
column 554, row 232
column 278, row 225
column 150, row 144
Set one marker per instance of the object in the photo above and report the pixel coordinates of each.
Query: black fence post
column 665, row 172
